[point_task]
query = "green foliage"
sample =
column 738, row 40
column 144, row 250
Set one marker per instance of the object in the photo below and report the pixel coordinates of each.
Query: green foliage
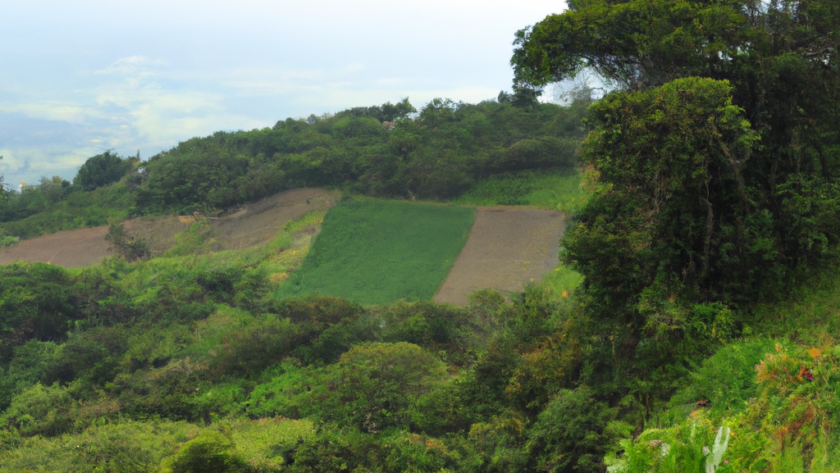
column 31, row 213
column 786, row 425
column 130, row 446
column 382, row 151
column 691, row 327
column 436, row 155
column 574, row 431
column 101, row 170
column 716, row 159
column 6, row 240
column 210, row 452
column 555, row 190
column 725, row 382
column 691, row 447
column 347, row 449
column 374, row 385
column 387, row 112
column 656, row 226
column 195, row 239
column 130, row 248
column 41, row 410
column 377, row 252
column 35, row 302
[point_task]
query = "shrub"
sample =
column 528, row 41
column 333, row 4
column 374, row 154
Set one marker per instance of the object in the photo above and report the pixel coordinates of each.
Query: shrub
column 374, row 384
column 573, row 432
column 210, row 452
column 130, row 248
column 41, row 410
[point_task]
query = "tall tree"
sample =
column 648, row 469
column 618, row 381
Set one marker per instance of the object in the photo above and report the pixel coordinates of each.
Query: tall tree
column 780, row 61
column 101, row 170
column 3, row 191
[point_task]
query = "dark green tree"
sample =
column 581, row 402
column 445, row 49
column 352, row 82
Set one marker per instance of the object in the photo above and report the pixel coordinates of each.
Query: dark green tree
column 3, row 191
column 386, row 112
column 717, row 156
column 101, row 170
column 780, row 60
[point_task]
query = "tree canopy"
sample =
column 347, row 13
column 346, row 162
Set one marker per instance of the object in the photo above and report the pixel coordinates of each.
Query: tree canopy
column 437, row 154
column 101, row 170
column 769, row 207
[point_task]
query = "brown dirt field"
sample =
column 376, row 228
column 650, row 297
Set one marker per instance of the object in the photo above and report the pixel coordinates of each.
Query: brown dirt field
column 71, row 248
column 508, row 247
column 248, row 225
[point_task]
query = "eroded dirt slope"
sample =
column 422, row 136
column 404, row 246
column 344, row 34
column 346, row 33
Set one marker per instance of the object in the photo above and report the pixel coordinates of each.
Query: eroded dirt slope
column 241, row 227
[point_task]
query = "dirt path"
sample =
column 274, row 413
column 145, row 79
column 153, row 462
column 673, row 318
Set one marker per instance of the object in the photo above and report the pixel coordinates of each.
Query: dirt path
column 244, row 226
column 508, row 247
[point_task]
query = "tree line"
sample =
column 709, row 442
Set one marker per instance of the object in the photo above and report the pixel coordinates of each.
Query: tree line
column 388, row 150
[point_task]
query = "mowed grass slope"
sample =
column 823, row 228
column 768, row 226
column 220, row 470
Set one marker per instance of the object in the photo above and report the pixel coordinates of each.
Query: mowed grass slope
column 378, row 252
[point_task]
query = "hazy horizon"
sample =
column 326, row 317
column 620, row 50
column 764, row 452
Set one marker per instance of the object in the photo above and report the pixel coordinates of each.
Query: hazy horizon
column 81, row 78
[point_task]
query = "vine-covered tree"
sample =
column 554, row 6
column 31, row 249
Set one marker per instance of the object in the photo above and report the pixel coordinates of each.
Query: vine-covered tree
column 769, row 215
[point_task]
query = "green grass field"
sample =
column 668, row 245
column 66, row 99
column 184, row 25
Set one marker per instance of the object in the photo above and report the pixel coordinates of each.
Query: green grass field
column 377, row 252
column 555, row 190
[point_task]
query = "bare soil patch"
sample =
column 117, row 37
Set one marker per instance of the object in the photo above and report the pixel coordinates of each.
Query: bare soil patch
column 70, row 248
column 240, row 227
column 508, row 247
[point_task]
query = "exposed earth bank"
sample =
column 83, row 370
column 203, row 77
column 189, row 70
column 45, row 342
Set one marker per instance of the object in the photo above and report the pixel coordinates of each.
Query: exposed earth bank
column 508, row 247
column 247, row 225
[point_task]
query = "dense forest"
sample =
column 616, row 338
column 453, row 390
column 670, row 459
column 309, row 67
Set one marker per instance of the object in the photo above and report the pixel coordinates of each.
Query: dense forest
column 702, row 337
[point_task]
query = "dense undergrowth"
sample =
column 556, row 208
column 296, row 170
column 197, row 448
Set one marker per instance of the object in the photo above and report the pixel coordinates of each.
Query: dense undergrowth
column 190, row 360
column 561, row 190
column 701, row 337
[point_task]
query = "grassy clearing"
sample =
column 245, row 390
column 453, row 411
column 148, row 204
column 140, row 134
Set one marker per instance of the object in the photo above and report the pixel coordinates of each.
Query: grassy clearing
column 377, row 252
column 556, row 190
column 146, row 446
column 809, row 317
column 561, row 281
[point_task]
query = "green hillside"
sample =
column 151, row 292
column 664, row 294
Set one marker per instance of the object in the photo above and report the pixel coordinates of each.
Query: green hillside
column 378, row 252
column 391, row 151
column 692, row 325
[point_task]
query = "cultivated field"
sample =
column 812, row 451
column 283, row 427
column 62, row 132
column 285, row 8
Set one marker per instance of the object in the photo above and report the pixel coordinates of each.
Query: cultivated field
column 508, row 247
column 245, row 226
column 377, row 252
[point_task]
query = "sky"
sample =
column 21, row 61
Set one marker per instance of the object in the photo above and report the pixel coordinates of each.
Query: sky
column 81, row 77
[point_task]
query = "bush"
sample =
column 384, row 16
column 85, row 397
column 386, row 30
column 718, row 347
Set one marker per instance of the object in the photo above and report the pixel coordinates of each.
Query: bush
column 210, row 452
column 573, row 432
column 374, row 385
column 41, row 410
column 130, row 248
column 725, row 382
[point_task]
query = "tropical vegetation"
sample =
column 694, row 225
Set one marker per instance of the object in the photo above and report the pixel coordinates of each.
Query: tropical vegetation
column 690, row 327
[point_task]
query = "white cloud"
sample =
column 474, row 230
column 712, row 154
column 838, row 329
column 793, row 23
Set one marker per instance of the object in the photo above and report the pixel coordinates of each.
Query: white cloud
column 68, row 112
column 129, row 65
column 30, row 164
